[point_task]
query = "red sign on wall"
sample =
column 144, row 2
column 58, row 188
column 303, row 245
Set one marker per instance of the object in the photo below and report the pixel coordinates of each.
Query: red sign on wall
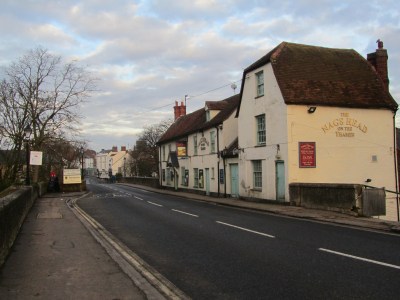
column 307, row 155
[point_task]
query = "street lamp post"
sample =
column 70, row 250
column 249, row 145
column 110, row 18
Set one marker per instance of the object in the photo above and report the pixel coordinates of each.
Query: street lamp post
column 27, row 133
column 124, row 167
column 81, row 152
column 110, row 168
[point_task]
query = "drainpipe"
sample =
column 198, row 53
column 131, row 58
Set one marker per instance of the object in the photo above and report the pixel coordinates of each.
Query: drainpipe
column 224, row 177
column 218, row 156
column 175, row 180
column 160, row 167
column 395, row 165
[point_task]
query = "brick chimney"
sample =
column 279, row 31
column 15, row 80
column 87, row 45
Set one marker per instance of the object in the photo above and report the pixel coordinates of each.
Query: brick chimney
column 176, row 110
column 179, row 110
column 114, row 149
column 183, row 109
column 123, row 148
column 378, row 60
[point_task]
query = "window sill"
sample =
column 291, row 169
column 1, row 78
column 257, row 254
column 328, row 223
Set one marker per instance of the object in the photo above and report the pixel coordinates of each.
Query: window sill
column 260, row 96
column 260, row 145
column 256, row 189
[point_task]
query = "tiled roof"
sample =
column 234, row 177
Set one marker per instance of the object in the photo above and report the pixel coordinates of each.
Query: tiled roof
column 196, row 121
column 216, row 105
column 310, row 75
column 231, row 150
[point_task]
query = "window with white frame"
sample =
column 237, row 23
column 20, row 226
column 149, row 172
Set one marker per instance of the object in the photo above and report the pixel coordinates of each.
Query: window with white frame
column 196, row 177
column 208, row 115
column 260, row 120
column 257, row 174
column 260, row 83
column 169, row 177
column 195, row 144
column 212, row 142
column 183, row 178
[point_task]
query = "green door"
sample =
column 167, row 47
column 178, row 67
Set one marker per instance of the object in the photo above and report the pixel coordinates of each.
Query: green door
column 208, row 182
column 280, row 180
column 234, row 170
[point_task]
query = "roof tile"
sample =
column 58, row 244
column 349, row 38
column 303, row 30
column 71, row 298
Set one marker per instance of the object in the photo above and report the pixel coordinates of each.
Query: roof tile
column 311, row 75
column 196, row 121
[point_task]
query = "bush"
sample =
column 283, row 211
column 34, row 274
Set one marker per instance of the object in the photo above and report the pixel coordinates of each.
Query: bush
column 4, row 184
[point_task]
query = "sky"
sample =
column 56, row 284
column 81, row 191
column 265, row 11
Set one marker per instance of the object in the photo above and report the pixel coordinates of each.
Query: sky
column 149, row 54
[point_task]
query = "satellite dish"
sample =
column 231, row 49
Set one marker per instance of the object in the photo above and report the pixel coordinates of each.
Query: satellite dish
column 234, row 86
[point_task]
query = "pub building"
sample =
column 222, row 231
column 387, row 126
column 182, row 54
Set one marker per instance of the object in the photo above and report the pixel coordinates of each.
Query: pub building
column 312, row 126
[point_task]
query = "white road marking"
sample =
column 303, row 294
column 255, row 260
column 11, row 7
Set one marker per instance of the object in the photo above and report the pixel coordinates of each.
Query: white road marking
column 245, row 229
column 156, row 204
column 138, row 198
column 182, row 212
column 360, row 258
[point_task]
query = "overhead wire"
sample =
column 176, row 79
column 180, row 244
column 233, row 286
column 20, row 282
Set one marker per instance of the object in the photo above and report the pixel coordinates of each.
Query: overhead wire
column 189, row 97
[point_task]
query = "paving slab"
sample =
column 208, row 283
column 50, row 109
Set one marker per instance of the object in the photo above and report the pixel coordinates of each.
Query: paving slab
column 55, row 257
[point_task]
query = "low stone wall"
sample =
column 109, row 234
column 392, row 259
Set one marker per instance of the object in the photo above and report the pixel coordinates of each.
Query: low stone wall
column 76, row 187
column 344, row 198
column 13, row 210
column 146, row 181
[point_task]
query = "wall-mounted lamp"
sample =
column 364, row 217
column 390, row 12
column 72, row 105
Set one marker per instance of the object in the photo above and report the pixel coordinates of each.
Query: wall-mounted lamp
column 368, row 180
column 237, row 150
column 278, row 154
column 312, row 109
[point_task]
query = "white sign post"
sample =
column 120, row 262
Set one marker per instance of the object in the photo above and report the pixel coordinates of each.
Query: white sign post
column 36, row 158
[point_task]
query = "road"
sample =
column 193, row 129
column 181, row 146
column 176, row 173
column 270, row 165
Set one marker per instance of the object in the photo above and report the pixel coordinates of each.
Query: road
column 216, row 252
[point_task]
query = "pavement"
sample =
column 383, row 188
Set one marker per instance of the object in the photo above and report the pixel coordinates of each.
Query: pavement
column 56, row 257
column 59, row 255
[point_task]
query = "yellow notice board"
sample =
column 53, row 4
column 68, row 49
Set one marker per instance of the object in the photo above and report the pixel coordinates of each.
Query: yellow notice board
column 71, row 176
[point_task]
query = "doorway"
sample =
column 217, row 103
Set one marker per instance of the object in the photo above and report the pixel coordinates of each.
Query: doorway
column 208, row 182
column 234, row 170
column 280, row 180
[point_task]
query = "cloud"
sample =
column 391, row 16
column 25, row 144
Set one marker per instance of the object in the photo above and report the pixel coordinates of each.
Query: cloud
column 148, row 54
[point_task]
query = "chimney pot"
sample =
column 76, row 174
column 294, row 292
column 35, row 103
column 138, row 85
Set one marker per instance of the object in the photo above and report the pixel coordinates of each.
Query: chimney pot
column 380, row 44
column 378, row 60
column 183, row 109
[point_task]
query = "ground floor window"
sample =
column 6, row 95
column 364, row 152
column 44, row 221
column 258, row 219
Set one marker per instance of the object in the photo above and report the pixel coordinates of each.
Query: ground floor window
column 183, row 177
column 257, row 174
column 169, row 176
column 196, row 177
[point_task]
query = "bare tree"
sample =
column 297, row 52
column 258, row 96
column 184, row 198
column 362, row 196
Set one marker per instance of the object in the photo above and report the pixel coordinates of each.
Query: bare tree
column 41, row 91
column 145, row 153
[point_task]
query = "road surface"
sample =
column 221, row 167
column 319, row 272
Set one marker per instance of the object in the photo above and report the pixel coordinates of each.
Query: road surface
column 217, row 252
